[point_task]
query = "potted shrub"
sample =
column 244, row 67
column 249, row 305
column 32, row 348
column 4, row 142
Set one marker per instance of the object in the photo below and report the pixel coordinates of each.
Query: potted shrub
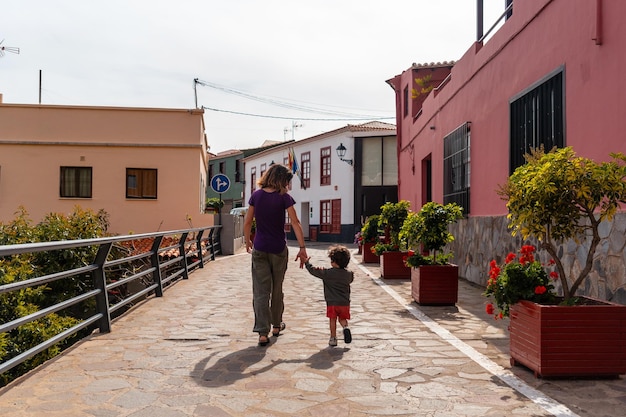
column 369, row 237
column 214, row 205
column 557, row 197
column 434, row 281
column 391, row 218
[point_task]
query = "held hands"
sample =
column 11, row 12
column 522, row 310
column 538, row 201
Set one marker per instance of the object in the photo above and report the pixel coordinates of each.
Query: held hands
column 302, row 255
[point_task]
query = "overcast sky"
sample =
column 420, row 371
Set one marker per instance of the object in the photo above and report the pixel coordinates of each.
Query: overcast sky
column 265, row 58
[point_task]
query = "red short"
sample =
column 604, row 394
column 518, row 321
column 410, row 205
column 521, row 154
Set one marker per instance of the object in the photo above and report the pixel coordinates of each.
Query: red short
column 341, row 312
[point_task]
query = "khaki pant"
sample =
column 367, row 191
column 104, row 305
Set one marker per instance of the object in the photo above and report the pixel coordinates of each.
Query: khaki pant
column 268, row 274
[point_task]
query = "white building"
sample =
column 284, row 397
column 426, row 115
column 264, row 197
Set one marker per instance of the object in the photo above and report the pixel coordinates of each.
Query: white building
column 335, row 194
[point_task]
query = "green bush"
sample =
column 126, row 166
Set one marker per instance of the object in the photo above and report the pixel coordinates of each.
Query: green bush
column 80, row 224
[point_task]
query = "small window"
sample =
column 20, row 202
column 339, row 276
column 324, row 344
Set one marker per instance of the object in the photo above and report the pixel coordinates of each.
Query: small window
column 406, row 101
column 252, row 179
column 263, row 169
column 457, row 167
column 141, row 183
column 76, row 182
column 325, row 165
column 237, row 170
column 222, row 167
column 305, row 168
column 287, row 222
column 537, row 119
column 330, row 216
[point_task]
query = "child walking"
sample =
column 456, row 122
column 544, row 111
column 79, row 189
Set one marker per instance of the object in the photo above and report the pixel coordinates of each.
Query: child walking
column 337, row 282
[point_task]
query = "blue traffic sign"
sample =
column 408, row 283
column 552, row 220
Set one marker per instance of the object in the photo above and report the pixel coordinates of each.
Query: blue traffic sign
column 220, row 183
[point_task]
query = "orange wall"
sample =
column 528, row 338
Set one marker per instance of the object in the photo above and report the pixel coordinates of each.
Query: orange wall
column 35, row 141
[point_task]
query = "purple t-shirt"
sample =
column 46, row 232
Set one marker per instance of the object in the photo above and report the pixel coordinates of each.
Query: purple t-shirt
column 269, row 212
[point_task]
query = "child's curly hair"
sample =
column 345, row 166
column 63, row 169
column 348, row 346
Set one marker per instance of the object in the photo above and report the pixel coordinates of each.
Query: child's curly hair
column 340, row 255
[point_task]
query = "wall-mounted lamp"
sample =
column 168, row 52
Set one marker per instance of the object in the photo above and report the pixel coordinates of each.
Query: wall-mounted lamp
column 341, row 152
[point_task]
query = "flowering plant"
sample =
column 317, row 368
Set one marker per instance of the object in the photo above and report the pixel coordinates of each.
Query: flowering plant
column 427, row 231
column 369, row 232
column 381, row 247
column 520, row 278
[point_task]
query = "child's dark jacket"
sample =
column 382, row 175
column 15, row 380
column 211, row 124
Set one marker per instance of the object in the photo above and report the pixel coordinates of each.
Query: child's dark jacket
column 336, row 284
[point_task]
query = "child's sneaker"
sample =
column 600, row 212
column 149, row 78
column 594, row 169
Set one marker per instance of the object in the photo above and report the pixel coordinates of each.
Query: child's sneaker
column 332, row 341
column 347, row 336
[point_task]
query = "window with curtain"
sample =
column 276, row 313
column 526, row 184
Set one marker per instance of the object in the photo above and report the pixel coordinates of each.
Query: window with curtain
column 76, row 182
column 380, row 163
column 141, row 183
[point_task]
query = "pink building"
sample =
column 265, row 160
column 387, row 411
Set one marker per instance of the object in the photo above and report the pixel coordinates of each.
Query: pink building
column 552, row 75
column 146, row 167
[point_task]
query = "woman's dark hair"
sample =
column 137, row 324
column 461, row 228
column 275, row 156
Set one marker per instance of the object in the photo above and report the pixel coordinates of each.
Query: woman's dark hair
column 339, row 255
column 276, row 177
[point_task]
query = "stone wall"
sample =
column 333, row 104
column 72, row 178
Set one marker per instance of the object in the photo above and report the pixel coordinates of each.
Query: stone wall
column 478, row 240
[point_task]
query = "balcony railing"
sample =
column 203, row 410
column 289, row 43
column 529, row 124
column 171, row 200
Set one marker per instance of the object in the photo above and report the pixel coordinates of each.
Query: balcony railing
column 140, row 266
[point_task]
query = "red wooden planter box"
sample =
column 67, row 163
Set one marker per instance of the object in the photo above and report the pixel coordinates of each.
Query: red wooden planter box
column 392, row 265
column 435, row 284
column 566, row 341
column 368, row 256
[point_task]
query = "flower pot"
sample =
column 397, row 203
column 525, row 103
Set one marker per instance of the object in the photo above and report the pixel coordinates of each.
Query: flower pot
column 368, row 256
column 392, row 265
column 569, row 341
column 435, row 284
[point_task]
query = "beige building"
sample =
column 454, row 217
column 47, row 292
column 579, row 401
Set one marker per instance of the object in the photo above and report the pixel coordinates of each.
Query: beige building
column 146, row 167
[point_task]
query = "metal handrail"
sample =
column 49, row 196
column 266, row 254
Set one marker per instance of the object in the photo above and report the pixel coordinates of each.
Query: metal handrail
column 195, row 247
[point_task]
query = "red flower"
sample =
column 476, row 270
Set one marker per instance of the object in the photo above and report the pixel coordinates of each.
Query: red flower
column 540, row 289
column 510, row 257
column 373, row 250
column 551, row 262
column 411, row 252
column 489, row 309
column 554, row 275
column 527, row 254
column 494, row 271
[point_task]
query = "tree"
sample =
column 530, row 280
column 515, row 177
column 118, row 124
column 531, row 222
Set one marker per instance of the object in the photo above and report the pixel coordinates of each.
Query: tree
column 558, row 196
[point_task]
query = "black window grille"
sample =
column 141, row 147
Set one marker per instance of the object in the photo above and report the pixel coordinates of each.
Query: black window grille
column 456, row 167
column 537, row 120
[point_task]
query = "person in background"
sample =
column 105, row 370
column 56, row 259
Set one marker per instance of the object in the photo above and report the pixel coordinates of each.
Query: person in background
column 267, row 206
column 337, row 280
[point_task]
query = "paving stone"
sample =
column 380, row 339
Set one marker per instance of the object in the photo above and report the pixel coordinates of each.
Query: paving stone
column 193, row 353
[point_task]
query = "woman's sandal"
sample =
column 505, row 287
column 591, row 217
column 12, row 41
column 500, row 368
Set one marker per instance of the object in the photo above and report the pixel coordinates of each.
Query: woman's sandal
column 263, row 340
column 277, row 329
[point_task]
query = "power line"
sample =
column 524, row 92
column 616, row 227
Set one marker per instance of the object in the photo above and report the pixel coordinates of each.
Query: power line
column 342, row 115
column 293, row 118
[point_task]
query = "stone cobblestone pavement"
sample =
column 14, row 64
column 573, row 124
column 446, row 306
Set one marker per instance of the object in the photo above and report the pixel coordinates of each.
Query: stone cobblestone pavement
column 193, row 353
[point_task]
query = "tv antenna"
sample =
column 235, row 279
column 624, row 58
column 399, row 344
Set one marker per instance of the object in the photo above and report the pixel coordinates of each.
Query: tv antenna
column 11, row 49
column 294, row 126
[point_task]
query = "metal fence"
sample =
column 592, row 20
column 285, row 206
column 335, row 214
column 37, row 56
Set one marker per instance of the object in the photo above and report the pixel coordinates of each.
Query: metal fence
column 150, row 262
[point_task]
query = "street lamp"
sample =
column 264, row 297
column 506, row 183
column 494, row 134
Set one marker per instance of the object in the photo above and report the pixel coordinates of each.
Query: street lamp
column 341, row 152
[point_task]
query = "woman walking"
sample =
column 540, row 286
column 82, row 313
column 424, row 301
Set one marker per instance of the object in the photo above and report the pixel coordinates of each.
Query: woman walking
column 267, row 207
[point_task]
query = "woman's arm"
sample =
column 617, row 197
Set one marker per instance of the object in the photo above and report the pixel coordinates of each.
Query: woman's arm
column 297, row 229
column 247, row 227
